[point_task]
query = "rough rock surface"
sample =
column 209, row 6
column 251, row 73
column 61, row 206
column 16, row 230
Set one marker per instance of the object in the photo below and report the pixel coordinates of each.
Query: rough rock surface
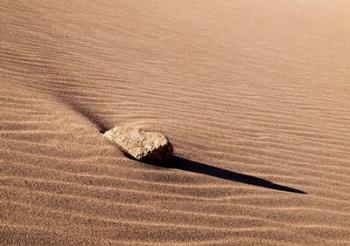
column 141, row 144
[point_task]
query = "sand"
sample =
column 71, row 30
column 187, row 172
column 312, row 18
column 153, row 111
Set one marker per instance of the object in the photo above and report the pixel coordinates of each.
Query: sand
column 254, row 95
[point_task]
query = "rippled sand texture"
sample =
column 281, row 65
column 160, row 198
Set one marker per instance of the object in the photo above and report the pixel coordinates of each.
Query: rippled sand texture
column 254, row 95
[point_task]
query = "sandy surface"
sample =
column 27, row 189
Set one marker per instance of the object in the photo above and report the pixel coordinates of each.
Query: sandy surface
column 254, row 95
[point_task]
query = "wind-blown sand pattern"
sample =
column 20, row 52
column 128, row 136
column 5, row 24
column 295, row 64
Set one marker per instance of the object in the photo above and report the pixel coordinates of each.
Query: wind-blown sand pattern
column 254, row 95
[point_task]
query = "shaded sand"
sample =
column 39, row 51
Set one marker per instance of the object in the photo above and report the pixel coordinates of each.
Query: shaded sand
column 255, row 96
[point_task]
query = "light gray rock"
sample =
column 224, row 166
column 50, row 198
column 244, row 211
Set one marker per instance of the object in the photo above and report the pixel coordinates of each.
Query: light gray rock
column 141, row 144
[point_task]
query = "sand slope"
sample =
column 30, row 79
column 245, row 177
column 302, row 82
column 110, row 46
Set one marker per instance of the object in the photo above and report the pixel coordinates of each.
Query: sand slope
column 254, row 95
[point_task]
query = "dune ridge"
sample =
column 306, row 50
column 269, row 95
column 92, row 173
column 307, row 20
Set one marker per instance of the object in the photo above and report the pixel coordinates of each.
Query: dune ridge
column 254, row 96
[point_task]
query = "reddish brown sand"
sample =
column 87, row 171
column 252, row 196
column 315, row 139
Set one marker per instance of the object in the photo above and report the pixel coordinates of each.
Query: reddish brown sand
column 254, row 95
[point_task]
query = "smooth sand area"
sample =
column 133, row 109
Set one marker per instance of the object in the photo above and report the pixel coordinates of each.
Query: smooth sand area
column 254, row 95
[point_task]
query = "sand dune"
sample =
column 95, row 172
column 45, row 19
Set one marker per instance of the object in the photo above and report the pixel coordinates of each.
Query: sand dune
column 255, row 97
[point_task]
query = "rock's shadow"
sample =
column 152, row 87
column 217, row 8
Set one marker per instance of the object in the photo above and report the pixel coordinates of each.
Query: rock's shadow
column 206, row 169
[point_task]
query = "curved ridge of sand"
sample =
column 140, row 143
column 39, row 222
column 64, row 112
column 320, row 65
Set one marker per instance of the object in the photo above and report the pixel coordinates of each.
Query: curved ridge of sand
column 255, row 98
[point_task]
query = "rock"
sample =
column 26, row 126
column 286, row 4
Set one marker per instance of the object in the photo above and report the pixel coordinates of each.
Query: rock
column 141, row 144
